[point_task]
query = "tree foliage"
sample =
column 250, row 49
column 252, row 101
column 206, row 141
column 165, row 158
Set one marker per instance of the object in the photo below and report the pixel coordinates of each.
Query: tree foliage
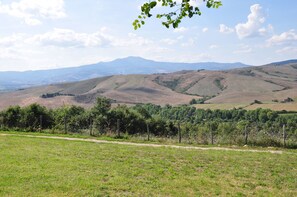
column 264, row 126
column 177, row 11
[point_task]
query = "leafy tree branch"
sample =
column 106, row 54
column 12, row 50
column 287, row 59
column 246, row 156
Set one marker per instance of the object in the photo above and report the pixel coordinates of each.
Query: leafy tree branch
column 178, row 11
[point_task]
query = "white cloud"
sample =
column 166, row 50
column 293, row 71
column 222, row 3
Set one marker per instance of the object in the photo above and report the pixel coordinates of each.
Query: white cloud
column 70, row 38
column 131, row 40
column 284, row 38
column 205, row 29
column 254, row 24
column 225, row 29
column 180, row 37
column 243, row 49
column 287, row 50
column 168, row 41
column 180, row 30
column 10, row 41
column 63, row 47
column 204, row 56
column 190, row 42
column 7, row 53
column 266, row 30
column 31, row 11
column 213, row 46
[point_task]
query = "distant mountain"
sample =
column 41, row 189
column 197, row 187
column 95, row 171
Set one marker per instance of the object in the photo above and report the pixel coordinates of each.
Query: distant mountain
column 130, row 65
column 284, row 62
column 242, row 86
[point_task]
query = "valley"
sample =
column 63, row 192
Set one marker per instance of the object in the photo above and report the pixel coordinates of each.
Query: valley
column 226, row 89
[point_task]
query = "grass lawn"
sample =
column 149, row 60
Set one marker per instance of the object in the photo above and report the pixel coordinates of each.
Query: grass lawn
column 50, row 167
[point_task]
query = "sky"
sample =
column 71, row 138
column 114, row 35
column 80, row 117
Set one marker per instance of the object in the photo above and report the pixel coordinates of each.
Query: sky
column 48, row 34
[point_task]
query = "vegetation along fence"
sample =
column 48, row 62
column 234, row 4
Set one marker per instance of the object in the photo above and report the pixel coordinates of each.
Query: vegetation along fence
column 184, row 124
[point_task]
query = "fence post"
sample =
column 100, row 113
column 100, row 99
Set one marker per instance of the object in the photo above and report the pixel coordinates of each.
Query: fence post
column 148, row 132
column 211, row 132
column 179, row 133
column 91, row 127
column 245, row 135
column 284, row 135
column 65, row 124
column 118, row 127
column 40, row 122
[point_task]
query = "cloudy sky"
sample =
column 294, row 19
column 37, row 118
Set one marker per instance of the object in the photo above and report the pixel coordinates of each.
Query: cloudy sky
column 42, row 34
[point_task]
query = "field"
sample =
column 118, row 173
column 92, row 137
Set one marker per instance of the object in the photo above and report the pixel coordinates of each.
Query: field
column 52, row 167
column 266, row 105
column 223, row 106
column 227, row 89
column 275, row 106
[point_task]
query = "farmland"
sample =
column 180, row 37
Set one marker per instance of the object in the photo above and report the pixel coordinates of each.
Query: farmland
column 223, row 89
column 51, row 167
column 265, row 105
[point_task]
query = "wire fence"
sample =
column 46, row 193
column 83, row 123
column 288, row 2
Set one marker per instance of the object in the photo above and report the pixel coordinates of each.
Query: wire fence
column 201, row 134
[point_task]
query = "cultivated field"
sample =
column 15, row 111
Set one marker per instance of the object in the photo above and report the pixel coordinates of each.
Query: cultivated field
column 244, row 85
column 223, row 106
column 275, row 106
column 269, row 105
column 52, row 167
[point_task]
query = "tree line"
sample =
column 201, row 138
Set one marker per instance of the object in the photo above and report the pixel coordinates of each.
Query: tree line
column 237, row 126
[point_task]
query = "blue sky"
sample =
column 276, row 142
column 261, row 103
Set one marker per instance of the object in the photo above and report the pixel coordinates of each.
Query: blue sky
column 43, row 34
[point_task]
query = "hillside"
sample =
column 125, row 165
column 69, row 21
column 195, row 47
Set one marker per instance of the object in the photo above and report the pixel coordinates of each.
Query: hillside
column 129, row 65
column 273, row 82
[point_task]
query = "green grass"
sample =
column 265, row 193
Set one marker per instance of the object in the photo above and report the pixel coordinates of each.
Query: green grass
column 48, row 167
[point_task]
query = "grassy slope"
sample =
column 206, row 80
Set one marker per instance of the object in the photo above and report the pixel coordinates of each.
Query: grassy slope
column 44, row 167
column 243, row 85
column 273, row 106
column 223, row 106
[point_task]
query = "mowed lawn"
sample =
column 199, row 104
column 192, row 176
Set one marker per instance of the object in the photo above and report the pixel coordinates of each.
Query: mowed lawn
column 51, row 167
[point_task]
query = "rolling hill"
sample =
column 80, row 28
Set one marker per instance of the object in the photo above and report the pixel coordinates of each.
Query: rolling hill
column 130, row 65
column 270, row 83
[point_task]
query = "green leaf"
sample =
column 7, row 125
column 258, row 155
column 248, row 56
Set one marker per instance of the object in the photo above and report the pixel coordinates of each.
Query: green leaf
column 177, row 11
column 153, row 4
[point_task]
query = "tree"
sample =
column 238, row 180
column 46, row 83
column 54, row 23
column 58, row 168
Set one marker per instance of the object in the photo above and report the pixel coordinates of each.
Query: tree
column 100, row 113
column 75, row 118
column 193, row 102
column 178, row 11
column 102, row 106
column 36, row 117
column 11, row 116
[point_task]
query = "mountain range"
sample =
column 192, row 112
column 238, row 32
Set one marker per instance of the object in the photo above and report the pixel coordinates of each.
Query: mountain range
column 273, row 84
column 131, row 65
